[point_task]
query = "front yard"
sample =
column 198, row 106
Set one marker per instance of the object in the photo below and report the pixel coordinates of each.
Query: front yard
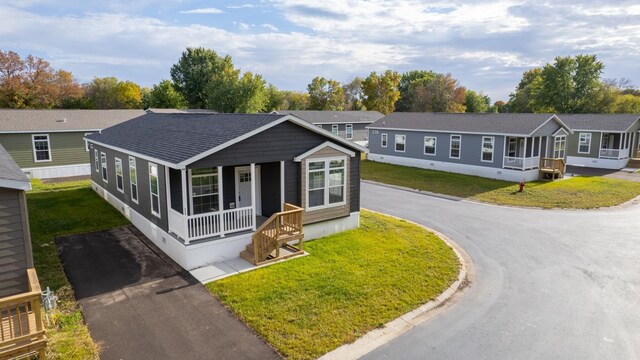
column 56, row 210
column 575, row 193
column 351, row 283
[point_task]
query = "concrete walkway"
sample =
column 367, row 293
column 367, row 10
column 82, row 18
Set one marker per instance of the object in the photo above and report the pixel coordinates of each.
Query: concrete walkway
column 141, row 305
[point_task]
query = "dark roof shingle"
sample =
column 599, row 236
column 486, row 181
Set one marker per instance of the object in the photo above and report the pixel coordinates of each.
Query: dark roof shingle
column 328, row 117
column 600, row 122
column 12, row 120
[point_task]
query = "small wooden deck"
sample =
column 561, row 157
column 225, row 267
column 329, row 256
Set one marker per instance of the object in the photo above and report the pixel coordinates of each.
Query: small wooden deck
column 551, row 169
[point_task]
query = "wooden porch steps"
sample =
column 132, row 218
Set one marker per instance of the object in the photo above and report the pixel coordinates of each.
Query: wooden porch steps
column 634, row 163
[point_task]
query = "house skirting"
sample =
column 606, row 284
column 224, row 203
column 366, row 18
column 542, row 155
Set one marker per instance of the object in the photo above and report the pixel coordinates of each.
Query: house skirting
column 49, row 172
column 613, row 164
column 203, row 253
column 488, row 172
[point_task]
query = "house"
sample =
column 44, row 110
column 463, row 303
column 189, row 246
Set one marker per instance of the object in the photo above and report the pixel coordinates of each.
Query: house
column 605, row 141
column 207, row 187
column 50, row 143
column 500, row 146
column 21, row 328
column 351, row 125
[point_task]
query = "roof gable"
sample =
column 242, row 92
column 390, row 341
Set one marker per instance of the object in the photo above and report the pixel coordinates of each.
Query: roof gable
column 10, row 174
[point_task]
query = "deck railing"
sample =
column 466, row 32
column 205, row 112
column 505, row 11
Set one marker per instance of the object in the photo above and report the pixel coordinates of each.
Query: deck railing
column 521, row 163
column 555, row 167
column 219, row 223
column 21, row 330
column 614, row 153
column 279, row 229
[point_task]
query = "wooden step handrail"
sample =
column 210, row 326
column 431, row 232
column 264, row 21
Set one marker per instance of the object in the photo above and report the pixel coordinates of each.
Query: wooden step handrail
column 268, row 236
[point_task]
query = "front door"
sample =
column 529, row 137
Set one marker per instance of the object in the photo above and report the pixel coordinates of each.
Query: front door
column 559, row 146
column 243, row 188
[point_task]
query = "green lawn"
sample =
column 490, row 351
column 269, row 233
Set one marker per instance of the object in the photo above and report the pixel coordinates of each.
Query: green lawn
column 351, row 283
column 583, row 192
column 62, row 209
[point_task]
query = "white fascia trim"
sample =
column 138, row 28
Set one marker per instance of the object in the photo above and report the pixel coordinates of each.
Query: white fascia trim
column 15, row 184
column 46, row 131
column 449, row 132
column 561, row 129
column 132, row 153
column 291, row 118
column 632, row 125
column 342, row 122
column 322, row 146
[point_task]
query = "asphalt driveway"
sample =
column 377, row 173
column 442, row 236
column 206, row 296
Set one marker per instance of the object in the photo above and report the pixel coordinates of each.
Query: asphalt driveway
column 141, row 305
column 549, row 284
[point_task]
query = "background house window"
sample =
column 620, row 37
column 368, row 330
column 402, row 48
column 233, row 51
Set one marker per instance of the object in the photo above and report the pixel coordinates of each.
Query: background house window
column 584, row 144
column 383, row 140
column 133, row 179
column 348, row 130
column 41, row 148
column 430, row 143
column 487, row 148
column 154, row 188
column 96, row 159
column 204, row 190
column 334, row 129
column 326, row 182
column 119, row 175
column 103, row 163
column 454, row 146
column 400, row 142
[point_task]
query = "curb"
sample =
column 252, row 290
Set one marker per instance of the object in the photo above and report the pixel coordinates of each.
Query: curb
column 395, row 328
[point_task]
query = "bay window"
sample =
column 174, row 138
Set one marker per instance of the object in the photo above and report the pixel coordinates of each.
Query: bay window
column 326, row 182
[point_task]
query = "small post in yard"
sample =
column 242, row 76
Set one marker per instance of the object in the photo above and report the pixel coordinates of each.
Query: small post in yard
column 49, row 302
column 522, row 185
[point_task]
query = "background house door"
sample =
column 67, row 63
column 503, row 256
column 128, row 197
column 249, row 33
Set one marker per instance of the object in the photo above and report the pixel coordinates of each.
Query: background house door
column 243, row 188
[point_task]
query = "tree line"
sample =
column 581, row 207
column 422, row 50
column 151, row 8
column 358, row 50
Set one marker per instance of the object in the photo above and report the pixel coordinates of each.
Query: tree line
column 202, row 79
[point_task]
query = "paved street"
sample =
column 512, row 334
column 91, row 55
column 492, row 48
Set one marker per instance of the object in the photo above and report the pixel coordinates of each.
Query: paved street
column 549, row 284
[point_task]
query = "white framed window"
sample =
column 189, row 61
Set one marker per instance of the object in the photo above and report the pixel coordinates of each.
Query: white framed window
column 133, row 179
column 383, row 140
column 154, row 189
column 103, row 163
column 430, row 143
column 348, row 131
column 86, row 143
column 334, row 129
column 41, row 148
column 119, row 175
column 326, row 182
column 401, row 143
column 488, row 143
column 455, row 144
column 96, row 159
column 512, row 148
column 204, row 190
column 584, row 143
column 559, row 145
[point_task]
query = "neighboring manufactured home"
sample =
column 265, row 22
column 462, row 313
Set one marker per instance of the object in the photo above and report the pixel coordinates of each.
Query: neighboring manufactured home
column 351, row 125
column 499, row 146
column 208, row 187
column 50, row 143
column 602, row 140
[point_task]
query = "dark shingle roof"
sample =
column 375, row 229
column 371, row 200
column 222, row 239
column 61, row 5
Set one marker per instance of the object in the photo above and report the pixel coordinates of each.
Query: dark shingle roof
column 599, row 122
column 488, row 123
column 9, row 170
column 62, row 120
column 327, row 117
column 176, row 137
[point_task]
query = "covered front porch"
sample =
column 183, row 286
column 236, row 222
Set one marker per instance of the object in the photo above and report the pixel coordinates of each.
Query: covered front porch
column 616, row 146
column 523, row 153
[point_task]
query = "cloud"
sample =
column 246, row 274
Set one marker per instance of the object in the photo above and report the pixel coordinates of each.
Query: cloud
column 202, row 11
column 269, row 27
column 242, row 6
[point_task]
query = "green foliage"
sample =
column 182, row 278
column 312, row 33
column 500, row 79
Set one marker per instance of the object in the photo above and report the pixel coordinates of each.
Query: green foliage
column 349, row 284
column 477, row 103
column 111, row 93
column 164, row 96
column 407, row 85
column 627, row 104
column 354, row 95
column 293, row 100
column 381, row 91
column 441, row 94
column 325, row 94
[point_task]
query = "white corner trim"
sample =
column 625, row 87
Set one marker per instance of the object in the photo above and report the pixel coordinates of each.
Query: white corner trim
column 300, row 157
column 15, row 184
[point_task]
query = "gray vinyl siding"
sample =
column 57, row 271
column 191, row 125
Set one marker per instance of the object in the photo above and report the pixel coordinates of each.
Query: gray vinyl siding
column 143, row 206
column 574, row 139
column 15, row 251
column 470, row 148
column 66, row 148
column 360, row 131
column 547, row 129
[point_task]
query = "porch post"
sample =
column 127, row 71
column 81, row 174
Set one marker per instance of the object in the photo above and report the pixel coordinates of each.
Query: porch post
column 185, row 185
column 524, row 156
column 220, row 202
column 621, row 145
column 253, row 195
column 281, row 185
column 505, row 151
column 167, row 181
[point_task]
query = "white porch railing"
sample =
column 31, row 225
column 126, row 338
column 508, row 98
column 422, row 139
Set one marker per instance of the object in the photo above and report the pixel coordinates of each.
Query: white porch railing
column 521, row 163
column 219, row 223
column 614, row 153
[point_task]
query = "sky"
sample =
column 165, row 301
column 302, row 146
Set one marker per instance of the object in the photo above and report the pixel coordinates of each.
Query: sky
column 486, row 45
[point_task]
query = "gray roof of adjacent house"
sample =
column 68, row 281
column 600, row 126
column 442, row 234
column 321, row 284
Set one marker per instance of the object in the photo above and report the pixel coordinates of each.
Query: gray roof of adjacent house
column 10, row 174
column 600, row 122
column 318, row 117
column 474, row 123
column 19, row 120
column 173, row 111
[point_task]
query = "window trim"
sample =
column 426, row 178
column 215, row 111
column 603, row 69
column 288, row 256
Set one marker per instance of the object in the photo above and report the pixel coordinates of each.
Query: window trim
column 131, row 182
column 348, row 134
column 384, row 140
column 335, row 127
column 459, row 145
column 564, row 141
column 33, row 147
column 493, row 147
column 86, row 143
column 588, row 134
column 103, row 166
column 435, row 145
column 395, row 143
column 327, row 170
column 151, row 195
column 117, row 160
column 96, row 161
column 215, row 174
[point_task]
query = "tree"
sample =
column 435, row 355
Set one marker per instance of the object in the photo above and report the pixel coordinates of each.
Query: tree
column 381, row 91
column 354, row 94
column 293, row 100
column 627, row 104
column 111, row 93
column 325, row 94
column 407, row 86
column 498, row 107
column 476, row 103
column 275, row 99
column 129, row 95
column 442, row 94
column 526, row 98
column 164, row 96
